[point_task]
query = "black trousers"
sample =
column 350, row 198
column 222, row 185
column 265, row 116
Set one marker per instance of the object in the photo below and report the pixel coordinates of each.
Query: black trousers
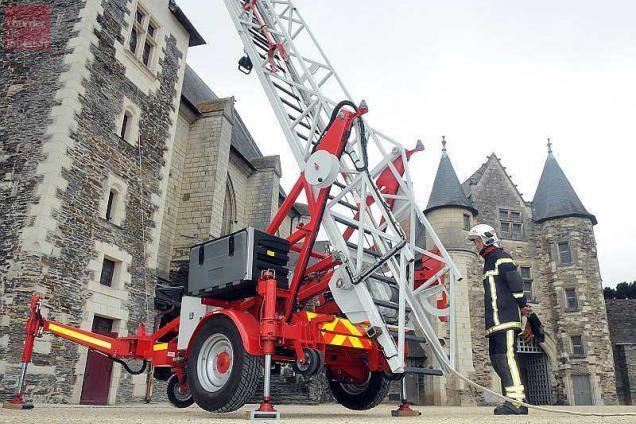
column 502, row 347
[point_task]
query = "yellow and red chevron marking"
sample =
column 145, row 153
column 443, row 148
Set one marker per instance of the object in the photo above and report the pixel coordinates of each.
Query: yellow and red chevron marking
column 341, row 332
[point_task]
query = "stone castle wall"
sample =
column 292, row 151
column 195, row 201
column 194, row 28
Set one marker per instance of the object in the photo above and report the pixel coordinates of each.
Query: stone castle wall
column 67, row 239
column 590, row 319
column 621, row 316
column 29, row 81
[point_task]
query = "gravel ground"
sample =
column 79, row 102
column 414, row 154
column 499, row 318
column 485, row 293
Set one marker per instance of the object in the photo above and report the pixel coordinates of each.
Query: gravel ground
column 323, row 414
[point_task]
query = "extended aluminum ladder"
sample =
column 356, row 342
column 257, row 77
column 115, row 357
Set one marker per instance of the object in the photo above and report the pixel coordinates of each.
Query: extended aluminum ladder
column 303, row 88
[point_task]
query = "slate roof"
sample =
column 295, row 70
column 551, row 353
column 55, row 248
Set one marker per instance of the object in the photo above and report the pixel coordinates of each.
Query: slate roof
column 447, row 191
column 555, row 197
column 195, row 38
column 195, row 91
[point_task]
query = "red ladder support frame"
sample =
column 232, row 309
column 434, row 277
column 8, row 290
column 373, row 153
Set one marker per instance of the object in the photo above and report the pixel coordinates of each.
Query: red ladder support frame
column 278, row 322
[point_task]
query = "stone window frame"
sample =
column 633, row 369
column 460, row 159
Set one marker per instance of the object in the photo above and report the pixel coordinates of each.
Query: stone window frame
column 131, row 112
column 466, row 221
column 121, row 277
column 529, row 279
column 560, row 257
column 143, row 37
column 510, row 222
column 583, row 345
column 566, row 306
column 119, row 203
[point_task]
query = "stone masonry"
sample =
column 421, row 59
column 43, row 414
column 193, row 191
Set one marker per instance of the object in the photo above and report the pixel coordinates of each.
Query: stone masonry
column 489, row 194
column 621, row 315
column 61, row 153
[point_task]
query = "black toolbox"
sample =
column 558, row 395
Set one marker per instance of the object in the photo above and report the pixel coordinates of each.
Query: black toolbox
column 228, row 268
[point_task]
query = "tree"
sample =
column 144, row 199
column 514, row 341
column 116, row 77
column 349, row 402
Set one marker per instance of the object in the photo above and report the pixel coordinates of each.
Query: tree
column 623, row 290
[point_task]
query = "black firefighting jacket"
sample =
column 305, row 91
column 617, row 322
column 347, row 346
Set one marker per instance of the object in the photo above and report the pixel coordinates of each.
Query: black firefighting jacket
column 503, row 292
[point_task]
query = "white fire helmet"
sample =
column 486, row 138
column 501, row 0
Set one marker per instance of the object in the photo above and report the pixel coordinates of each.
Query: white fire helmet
column 486, row 233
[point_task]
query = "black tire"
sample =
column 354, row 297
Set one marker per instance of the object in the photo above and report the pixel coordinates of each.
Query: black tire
column 176, row 398
column 212, row 388
column 360, row 397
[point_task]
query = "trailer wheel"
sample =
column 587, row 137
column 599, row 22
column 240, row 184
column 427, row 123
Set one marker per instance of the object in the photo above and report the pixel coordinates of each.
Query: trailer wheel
column 175, row 396
column 222, row 376
column 360, row 396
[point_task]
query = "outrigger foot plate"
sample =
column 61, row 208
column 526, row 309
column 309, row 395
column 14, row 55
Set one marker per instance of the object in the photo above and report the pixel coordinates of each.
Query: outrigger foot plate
column 263, row 415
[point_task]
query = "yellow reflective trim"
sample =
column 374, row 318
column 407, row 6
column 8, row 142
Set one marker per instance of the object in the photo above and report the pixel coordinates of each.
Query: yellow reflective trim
column 311, row 315
column 160, row 346
column 271, row 253
column 493, row 300
column 79, row 336
column 512, row 363
column 338, row 340
column 495, row 271
column 330, row 326
column 504, row 326
column 352, row 328
column 355, row 342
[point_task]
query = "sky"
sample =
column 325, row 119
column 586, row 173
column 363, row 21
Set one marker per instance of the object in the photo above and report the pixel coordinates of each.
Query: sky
column 491, row 75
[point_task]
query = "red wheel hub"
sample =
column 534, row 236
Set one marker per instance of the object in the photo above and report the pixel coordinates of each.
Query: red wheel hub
column 223, row 361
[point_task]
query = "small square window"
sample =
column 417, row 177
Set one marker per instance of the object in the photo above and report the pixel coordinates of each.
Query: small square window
column 145, row 58
column 525, row 272
column 571, row 300
column 132, row 44
column 577, row 346
column 108, row 272
column 517, row 231
column 505, row 228
column 527, row 290
column 109, row 207
column 565, row 254
column 466, row 222
column 125, row 122
column 515, row 216
column 139, row 16
column 151, row 30
column 504, row 214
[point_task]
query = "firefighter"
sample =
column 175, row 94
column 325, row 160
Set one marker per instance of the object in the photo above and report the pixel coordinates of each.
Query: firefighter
column 504, row 303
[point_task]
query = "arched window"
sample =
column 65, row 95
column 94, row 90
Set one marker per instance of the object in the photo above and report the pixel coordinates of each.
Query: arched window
column 229, row 208
column 112, row 202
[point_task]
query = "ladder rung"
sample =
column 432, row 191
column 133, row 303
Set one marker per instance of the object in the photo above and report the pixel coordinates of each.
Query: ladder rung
column 291, row 105
column 284, row 90
column 366, row 251
column 301, row 123
column 422, row 371
column 384, row 278
column 389, row 305
column 343, row 203
column 348, row 224
column 412, row 338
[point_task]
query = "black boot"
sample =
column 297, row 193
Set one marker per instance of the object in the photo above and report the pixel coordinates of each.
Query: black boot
column 501, row 363
column 509, row 409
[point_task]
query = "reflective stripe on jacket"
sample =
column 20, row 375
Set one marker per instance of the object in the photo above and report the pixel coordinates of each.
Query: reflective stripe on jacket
column 503, row 292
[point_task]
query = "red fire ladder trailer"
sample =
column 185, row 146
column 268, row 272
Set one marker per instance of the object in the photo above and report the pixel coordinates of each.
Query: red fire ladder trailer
column 254, row 299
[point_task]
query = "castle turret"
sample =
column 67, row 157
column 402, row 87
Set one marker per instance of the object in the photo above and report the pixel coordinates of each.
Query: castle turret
column 566, row 248
column 555, row 196
column 451, row 214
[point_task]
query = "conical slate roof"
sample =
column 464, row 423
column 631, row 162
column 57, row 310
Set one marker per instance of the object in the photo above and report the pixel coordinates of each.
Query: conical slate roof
column 555, row 197
column 447, row 190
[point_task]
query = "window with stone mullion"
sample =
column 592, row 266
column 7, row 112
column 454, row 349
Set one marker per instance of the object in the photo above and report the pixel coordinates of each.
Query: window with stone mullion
column 510, row 224
column 142, row 37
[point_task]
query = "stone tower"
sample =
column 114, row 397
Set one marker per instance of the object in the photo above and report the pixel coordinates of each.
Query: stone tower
column 451, row 214
column 566, row 249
